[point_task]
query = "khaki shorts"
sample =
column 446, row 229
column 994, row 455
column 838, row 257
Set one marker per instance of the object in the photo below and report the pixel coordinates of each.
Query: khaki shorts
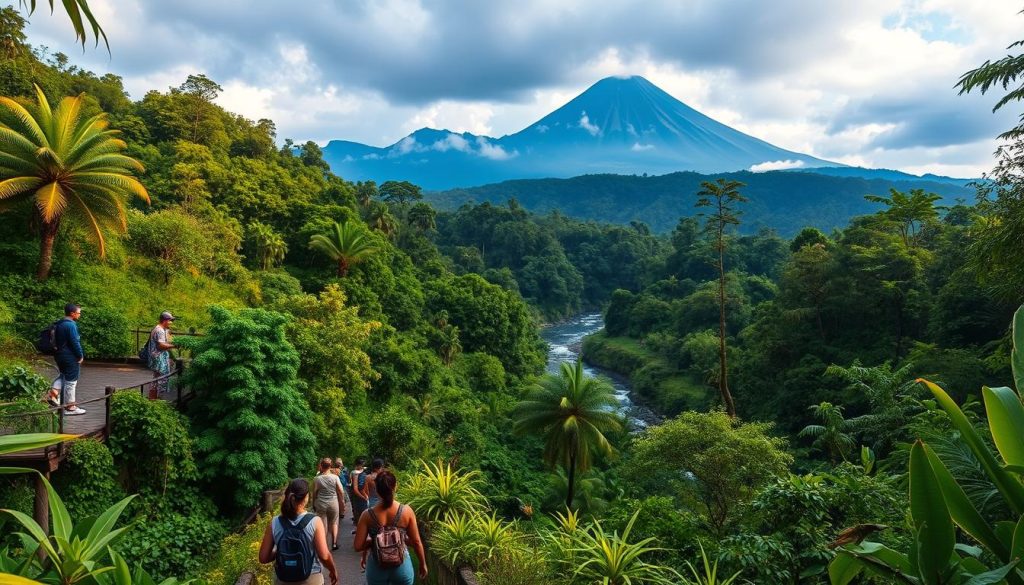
column 328, row 513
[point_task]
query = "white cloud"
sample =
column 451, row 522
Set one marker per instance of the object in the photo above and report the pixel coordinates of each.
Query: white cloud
column 588, row 126
column 637, row 147
column 493, row 151
column 452, row 142
column 776, row 165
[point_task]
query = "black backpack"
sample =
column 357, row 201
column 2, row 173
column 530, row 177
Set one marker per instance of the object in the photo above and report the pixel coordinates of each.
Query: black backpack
column 294, row 550
column 47, row 342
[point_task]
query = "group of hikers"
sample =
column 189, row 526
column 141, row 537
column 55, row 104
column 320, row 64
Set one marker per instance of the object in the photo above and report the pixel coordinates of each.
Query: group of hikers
column 63, row 341
column 299, row 542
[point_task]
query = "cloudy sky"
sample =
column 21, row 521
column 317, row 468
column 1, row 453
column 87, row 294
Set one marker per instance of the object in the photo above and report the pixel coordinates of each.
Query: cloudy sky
column 867, row 82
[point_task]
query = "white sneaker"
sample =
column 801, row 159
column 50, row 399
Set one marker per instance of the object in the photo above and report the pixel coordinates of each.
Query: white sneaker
column 74, row 411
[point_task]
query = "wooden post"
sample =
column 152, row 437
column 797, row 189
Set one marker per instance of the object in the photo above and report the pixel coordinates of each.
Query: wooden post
column 41, row 509
column 107, row 393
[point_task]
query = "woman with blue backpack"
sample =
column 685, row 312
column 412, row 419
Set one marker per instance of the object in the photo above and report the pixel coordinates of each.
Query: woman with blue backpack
column 296, row 541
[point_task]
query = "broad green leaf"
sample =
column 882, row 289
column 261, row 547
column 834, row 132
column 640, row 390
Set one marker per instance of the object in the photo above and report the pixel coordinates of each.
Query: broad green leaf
column 934, row 527
column 1005, row 420
column 844, row 568
column 29, row 441
column 8, row 579
column 962, row 510
column 62, row 525
column 992, row 577
column 1008, row 486
column 102, row 534
column 1017, row 548
column 885, row 554
column 1017, row 355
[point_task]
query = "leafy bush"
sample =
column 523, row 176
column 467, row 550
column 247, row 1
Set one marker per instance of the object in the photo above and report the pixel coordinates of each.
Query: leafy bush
column 514, row 567
column 105, row 331
column 150, row 442
column 87, row 480
column 238, row 554
column 19, row 381
column 172, row 544
column 252, row 426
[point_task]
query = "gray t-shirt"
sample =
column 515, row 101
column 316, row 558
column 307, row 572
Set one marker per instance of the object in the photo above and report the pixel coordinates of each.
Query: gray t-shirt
column 327, row 486
column 276, row 530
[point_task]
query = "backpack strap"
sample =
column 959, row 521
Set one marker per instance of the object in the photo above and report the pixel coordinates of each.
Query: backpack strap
column 398, row 514
column 305, row 521
column 373, row 518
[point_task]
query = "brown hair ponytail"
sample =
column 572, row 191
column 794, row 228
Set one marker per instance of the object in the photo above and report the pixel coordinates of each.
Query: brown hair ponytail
column 386, row 487
column 294, row 494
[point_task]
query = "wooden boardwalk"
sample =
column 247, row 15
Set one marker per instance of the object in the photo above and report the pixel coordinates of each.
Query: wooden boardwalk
column 90, row 393
column 92, row 382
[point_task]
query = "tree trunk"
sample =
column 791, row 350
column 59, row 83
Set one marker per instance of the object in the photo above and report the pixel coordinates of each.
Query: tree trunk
column 342, row 267
column 723, row 374
column 47, row 237
column 572, row 481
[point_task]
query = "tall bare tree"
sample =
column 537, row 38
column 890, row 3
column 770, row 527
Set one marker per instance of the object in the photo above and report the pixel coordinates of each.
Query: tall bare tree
column 722, row 196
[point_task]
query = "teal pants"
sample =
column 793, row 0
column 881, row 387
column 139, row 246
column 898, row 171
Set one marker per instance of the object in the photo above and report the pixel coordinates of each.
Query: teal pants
column 400, row 575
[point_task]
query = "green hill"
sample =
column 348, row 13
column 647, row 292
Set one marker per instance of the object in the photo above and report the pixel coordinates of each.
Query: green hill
column 783, row 200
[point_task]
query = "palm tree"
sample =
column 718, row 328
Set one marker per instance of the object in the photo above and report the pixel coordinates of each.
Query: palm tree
column 721, row 196
column 347, row 244
column 450, row 345
column 79, row 14
column 270, row 246
column 572, row 412
column 831, row 435
column 68, row 166
column 381, row 219
column 421, row 216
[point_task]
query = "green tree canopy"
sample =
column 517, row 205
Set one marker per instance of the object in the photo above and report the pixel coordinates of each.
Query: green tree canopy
column 251, row 423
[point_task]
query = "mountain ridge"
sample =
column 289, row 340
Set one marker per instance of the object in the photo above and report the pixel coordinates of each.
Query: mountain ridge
column 785, row 201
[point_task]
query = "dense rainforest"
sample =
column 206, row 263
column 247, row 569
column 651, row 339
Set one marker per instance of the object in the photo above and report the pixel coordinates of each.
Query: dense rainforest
column 354, row 319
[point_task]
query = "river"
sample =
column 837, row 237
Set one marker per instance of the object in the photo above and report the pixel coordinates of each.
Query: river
column 564, row 345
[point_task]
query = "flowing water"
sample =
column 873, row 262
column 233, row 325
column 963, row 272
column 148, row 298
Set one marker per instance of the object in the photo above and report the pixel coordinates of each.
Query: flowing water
column 564, row 345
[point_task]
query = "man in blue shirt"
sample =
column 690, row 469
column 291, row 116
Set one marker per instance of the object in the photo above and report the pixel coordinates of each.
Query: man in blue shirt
column 69, row 358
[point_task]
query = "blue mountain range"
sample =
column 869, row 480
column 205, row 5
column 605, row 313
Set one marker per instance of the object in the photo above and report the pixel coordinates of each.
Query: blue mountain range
column 622, row 125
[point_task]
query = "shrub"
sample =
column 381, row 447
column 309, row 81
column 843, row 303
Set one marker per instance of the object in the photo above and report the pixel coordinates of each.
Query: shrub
column 105, row 331
column 237, row 554
column 87, row 480
column 252, row 425
column 150, row 443
column 514, row 567
column 19, row 381
column 172, row 544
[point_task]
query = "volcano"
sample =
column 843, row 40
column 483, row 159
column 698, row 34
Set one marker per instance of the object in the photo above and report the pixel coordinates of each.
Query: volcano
column 620, row 125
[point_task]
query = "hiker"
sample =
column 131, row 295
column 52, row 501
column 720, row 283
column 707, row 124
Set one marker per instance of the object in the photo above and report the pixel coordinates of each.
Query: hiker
column 389, row 562
column 341, row 471
column 328, row 499
column 158, row 348
column 296, row 540
column 356, row 494
column 372, row 497
column 69, row 358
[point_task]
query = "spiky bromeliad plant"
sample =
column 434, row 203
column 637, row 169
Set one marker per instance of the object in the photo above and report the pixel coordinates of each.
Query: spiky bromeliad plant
column 611, row 559
column 440, row 490
column 938, row 502
column 68, row 165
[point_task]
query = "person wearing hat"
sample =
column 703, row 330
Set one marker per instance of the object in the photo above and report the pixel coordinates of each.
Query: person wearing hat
column 160, row 343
